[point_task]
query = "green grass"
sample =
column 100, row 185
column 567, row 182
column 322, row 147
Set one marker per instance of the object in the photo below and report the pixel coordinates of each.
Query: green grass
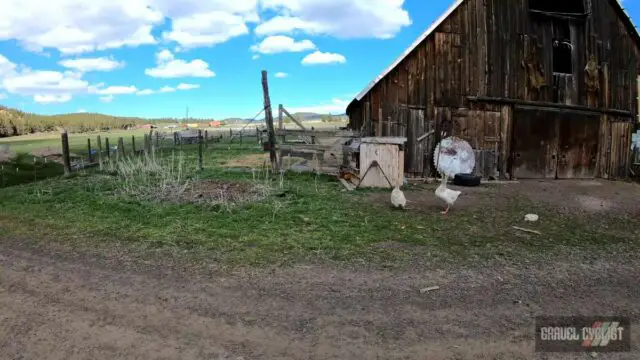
column 78, row 142
column 305, row 218
column 25, row 169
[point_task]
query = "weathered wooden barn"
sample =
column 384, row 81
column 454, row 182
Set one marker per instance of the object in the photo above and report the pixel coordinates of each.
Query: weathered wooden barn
column 539, row 88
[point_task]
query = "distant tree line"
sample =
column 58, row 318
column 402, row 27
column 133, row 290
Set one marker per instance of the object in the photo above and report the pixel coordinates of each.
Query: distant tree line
column 15, row 122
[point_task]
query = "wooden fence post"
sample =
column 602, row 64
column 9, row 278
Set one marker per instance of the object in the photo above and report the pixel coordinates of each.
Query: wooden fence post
column 133, row 145
column 200, row 165
column 280, row 122
column 269, row 120
column 99, row 152
column 257, row 135
column 66, row 158
column 313, row 136
column 157, row 140
column 89, row 149
column 106, row 144
column 206, row 138
column 121, row 151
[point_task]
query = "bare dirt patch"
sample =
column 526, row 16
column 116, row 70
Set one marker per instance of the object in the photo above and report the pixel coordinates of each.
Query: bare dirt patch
column 565, row 196
column 255, row 161
column 6, row 154
column 52, row 154
column 68, row 304
column 222, row 192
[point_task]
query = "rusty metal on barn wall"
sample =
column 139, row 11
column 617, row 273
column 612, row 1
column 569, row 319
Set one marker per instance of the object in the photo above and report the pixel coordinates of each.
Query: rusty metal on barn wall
column 499, row 50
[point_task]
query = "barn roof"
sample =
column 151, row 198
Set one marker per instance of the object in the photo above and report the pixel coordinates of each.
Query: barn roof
column 615, row 3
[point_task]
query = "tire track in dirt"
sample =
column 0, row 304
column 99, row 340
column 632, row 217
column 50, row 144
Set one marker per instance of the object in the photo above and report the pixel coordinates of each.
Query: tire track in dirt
column 56, row 306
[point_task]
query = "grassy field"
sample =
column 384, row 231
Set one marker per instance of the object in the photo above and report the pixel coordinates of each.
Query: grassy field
column 78, row 142
column 166, row 203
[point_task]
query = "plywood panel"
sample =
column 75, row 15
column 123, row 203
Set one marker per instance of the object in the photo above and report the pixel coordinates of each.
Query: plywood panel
column 534, row 143
column 387, row 156
column 578, row 147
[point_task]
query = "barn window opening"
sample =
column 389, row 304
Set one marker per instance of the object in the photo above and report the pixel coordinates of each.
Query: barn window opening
column 562, row 57
column 557, row 6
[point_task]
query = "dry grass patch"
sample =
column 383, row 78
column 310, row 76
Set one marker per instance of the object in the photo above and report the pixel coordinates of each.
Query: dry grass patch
column 256, row 161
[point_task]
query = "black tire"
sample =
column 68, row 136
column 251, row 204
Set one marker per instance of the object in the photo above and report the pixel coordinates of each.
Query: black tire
column 466, row 180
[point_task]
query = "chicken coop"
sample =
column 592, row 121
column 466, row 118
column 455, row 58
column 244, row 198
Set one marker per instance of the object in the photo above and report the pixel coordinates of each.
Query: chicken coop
column 539, row 89
column 381, row 162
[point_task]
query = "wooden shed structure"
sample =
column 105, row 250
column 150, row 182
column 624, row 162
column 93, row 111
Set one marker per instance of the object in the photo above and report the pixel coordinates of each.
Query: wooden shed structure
column 539, row 88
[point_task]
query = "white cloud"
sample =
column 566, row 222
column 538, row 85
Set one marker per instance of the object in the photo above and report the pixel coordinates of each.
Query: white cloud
column 106, row 99
column 166, row 89
column 255, row 57
column 145, row 92
column 81, row 111
column 281, row 75
column 337, row 106
column 183, row 86
column 206, row 29
column 78, row 26
column 43, row 82
column 319, row 57
column 169, row 67
column 164, row 56
column 280, row 43
column 118, row 90
column 43, row 85
column 92, row 64
column 75, row 26
column 49, row 99
column 340, row 18
column 3, row 96
column 6, row 66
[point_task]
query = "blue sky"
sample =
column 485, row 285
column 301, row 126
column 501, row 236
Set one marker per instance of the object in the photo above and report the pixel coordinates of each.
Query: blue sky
column 153, row 58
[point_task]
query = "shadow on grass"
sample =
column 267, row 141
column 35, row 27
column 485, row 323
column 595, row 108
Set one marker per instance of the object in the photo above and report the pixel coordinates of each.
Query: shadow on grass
column 24, row 169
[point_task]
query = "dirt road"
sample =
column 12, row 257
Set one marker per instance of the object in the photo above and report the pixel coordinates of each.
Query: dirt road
column 57, row 304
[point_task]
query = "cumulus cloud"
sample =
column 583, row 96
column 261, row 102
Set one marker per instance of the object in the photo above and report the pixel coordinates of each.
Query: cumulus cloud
column 81, row 111
column 169, row 67
column 76, row 26
column 168, row 89
column 281, row 75
column 280, row 43
column 118, row 90
column 337, row 106
column 206, row 29
column 319, row 57
column 183, row 86
column 92, row 64
column 340, row 18
column 45, row 86
column 3, row 96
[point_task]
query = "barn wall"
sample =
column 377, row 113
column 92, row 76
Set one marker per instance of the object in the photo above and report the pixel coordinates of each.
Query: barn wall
column 601, row 40
column 497, row 50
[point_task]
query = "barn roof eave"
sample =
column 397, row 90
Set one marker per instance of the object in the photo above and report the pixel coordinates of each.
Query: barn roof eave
column 414, row 45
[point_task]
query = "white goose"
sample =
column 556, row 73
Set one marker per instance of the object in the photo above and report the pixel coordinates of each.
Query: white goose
column 397, row 198
column 447, row 195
